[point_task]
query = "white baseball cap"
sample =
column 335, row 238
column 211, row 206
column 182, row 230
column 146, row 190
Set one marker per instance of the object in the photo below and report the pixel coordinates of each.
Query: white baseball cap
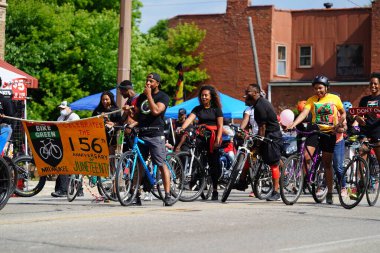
column 63, row 105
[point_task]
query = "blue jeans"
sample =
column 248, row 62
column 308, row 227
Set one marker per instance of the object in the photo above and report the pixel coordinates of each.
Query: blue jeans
column 5, row 135
column 338, row 160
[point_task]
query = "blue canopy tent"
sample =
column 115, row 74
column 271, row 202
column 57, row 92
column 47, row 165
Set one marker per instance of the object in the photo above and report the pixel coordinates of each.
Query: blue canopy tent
column 89, row 102
column 232, row 108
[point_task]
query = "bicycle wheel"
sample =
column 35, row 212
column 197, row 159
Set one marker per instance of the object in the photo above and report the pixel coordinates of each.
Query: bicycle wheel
column 373, row 189
column 28, row 182
column 319, row 185
column 12, row 172
column 106, row 185
column 195, row 177
column 291, row 180
column 5, row 183
column 74, row 186
column 263, row 184
column 127, row 178
column 177, row 178
column 236, row 168
column 354, row 178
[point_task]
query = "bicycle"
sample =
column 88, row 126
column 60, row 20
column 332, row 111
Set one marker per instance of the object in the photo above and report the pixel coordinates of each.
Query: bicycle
column 105, row 185
column 5, row 183
column 194, row 171
column 360, row 177
column 127, row 179
column 293, row 173
column 259, row 173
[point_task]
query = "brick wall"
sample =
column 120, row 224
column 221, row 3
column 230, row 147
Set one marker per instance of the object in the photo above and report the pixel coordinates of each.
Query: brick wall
column 375, row 36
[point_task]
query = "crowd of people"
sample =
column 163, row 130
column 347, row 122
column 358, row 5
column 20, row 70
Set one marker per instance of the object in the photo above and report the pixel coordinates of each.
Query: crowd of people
column 323, row 111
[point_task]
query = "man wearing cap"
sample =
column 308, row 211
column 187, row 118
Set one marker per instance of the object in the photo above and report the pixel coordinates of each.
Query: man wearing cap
column 62, row 181
column 150, row 110
column 126, row 90
column 180, row 138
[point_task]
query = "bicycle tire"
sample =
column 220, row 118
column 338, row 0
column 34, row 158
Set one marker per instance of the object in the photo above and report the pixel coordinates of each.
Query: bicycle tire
column 355, row 186
column 5, row 183
column 206, row 193
column 74, row 186
column 236, row 168
column 195, row 183
column 177, row 178
column 263, row 184
column 13, row 173
column 26, row 172
column 373, row 189
column 106, row 185
column 291, row 180
column 319, row 186
column 127, row 186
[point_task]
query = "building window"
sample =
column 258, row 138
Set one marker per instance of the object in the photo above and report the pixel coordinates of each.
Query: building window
column 281, row 60
column 305, row 56
column 349, row 60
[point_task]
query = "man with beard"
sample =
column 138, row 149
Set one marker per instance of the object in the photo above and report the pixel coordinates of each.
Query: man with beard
column 150, row 110
column 269, row 127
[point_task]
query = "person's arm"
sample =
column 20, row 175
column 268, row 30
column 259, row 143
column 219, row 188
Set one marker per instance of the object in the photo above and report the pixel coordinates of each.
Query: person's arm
column 187, row 122
column 219, row 124
column 182, row 140
column 245, row 121
column 300, row 118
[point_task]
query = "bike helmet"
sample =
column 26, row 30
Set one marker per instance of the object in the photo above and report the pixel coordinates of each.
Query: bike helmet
column 347, row 105
column 322, row 80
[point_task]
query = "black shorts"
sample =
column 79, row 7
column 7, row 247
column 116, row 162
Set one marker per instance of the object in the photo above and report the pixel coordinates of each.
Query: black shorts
column 271, row 151
column 327, row 142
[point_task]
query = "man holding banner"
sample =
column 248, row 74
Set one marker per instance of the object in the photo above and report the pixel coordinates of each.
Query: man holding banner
column 62, row 181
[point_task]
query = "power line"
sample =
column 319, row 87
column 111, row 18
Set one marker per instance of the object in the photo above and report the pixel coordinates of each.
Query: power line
column 353, row 3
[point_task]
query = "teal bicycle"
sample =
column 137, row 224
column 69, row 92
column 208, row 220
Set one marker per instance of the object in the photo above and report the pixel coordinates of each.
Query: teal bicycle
column 132, row 163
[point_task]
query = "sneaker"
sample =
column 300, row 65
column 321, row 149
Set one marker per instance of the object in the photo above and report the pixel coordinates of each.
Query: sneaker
column 274, row 197
column 80, row 194
column 167, row 200
column 252, row 195
column 353, row 196
column 137, row 201
column 214, row 195
column 329, row 198
column 343, row 192
column 58, row 194
column 241, row 185
column 148, row 196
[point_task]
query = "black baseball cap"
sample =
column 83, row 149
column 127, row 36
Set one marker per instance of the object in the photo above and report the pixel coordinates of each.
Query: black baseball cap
column 182, row 111
column 155, row 76
column 125, row 85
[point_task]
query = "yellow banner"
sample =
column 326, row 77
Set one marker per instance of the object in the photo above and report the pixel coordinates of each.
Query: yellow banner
column 69, row 147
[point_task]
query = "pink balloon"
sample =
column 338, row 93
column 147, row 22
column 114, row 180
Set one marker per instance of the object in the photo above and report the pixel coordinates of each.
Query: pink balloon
column 287, row 117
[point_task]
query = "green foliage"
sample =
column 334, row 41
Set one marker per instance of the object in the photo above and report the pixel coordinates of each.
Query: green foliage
column 163, row 55
column 71, row 47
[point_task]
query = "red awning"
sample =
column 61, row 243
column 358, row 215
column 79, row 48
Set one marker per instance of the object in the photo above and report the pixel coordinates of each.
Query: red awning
column 9, row 73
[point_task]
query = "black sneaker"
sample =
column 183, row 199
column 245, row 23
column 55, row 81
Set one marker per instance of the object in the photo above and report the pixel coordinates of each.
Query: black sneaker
column 80, row 194
column 329, row 198
column 137, row 201
column 167, row 200
column 241, row 185
column 58, row 194
column 275, row 196
column 214, row 196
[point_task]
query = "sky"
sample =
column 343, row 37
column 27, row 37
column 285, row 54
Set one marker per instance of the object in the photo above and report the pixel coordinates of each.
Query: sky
column 155, row 10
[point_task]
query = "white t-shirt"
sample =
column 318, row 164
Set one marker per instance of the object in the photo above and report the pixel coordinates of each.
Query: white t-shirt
column 73, row 116
column 250, row 111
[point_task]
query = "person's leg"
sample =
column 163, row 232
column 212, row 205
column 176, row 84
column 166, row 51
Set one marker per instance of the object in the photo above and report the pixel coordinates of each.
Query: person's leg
column 338, row 158
column 326, row 160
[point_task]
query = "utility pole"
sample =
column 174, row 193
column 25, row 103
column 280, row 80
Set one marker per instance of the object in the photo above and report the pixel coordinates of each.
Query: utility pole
column 125, row 38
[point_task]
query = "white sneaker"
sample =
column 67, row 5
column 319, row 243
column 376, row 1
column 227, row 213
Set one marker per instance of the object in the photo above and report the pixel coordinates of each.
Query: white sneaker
column 148, row 196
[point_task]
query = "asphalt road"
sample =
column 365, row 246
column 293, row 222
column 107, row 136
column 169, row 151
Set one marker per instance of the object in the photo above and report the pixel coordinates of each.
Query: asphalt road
column 243, row 224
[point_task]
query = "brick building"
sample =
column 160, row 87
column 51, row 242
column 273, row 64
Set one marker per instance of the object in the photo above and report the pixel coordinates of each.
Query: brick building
column 293, row 47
